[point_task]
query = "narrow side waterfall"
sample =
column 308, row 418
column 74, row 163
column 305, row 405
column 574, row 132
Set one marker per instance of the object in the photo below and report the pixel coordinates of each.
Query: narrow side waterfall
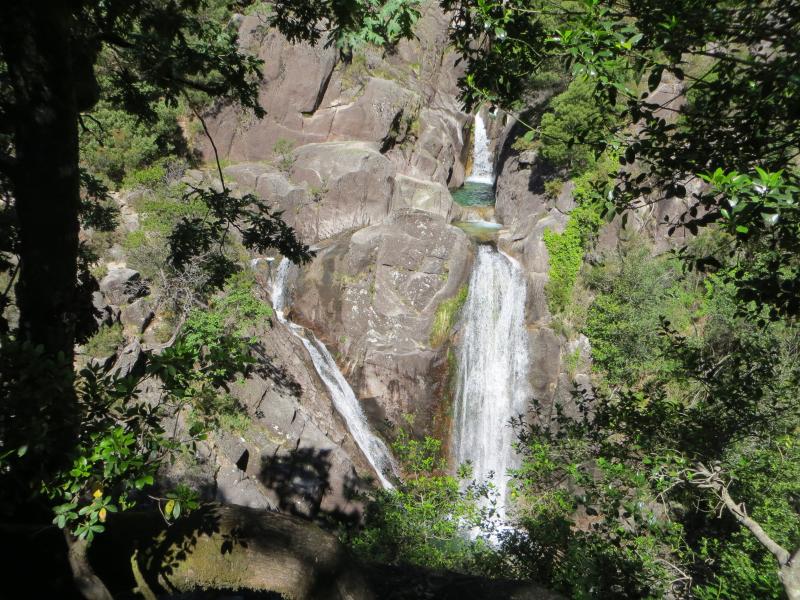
column 342, row 395
column 482, row 167
column 493, row 369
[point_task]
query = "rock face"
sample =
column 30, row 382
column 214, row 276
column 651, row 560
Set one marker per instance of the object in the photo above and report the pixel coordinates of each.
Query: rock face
column 373, row 295
column 405, row 102
column 138, row 314
column 358, row 156
column 294, row 453
column 334, row 187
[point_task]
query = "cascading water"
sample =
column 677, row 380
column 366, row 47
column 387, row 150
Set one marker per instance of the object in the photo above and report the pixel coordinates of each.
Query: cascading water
column 493, row 369
column 482, row 168
column 342, row 395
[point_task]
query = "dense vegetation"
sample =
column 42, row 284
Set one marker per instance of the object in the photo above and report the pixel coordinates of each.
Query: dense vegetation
column 677, row 475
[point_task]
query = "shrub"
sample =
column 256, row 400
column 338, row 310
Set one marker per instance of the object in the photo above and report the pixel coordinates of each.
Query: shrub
column 424, row 519
column 566, row 251
column 283, row 151
column 446, row 317
column 117, row 144
column 624, row 321
column 105, row 342
column 574, row 119
column 148, row 177
column 552, row 188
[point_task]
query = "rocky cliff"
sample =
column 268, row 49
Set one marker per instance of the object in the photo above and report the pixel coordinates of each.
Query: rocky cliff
column 358, row 155
column 403, row 99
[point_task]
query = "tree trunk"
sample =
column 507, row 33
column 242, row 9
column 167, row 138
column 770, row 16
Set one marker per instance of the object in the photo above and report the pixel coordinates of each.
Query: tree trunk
column 87, row 582
column 36, row 41
column 790, row 577
column 788, row 564
column 37, row 47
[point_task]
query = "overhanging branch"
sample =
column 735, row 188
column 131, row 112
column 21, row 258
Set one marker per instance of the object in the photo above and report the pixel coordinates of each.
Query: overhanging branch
column 711, row 479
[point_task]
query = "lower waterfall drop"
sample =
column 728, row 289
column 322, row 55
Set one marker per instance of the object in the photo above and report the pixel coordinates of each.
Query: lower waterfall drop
column 492, row 384
column 342, row 395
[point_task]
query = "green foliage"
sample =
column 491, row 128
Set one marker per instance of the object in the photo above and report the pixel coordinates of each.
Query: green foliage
column 682, row 377
column 624, row 324
column 526, row 142
column 553, row 187
column 566, row 251
column 87, row 444
column 123, row 441
column 446, row 317
column 283, row 153
column 149, row 177
column 105, row 342
column 514, row 59
column 200, row 241
column 592, row 553
column 221, row 335
column 769, row 476
column 686, row 372
column 118, row 146
column 572, row 127
column 350, row 25
column 162, row 209
column 423, row 520
column 760, row 213
column 184, row 242
column 182, row 500
column 147, row 247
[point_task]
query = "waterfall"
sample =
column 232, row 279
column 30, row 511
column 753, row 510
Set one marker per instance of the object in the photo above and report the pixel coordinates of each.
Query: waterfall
column 492, row 382
column 482, row 167
column 342, row 395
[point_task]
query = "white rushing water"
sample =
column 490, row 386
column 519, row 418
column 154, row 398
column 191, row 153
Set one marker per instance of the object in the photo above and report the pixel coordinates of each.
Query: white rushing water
column 342, row 395
column 482, row 167
column 492, row 382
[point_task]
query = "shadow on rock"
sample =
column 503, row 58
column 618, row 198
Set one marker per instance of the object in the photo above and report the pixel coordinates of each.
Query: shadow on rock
column 301, row 484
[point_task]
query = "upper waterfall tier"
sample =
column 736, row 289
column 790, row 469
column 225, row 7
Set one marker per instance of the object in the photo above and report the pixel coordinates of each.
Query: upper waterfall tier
column 482, row 165
column 492, row 369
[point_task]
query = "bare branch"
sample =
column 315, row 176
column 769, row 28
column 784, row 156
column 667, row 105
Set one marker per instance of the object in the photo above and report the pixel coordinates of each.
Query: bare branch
column 711, row 479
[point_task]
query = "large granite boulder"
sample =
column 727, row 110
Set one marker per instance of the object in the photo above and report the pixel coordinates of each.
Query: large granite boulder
column 122, row 285
column 332, row 187
column 372, row 296
column 355, row 184
column 295, row 79
column 441, row 147
column 382, row 113
column 520, row 190
column 421, row 194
